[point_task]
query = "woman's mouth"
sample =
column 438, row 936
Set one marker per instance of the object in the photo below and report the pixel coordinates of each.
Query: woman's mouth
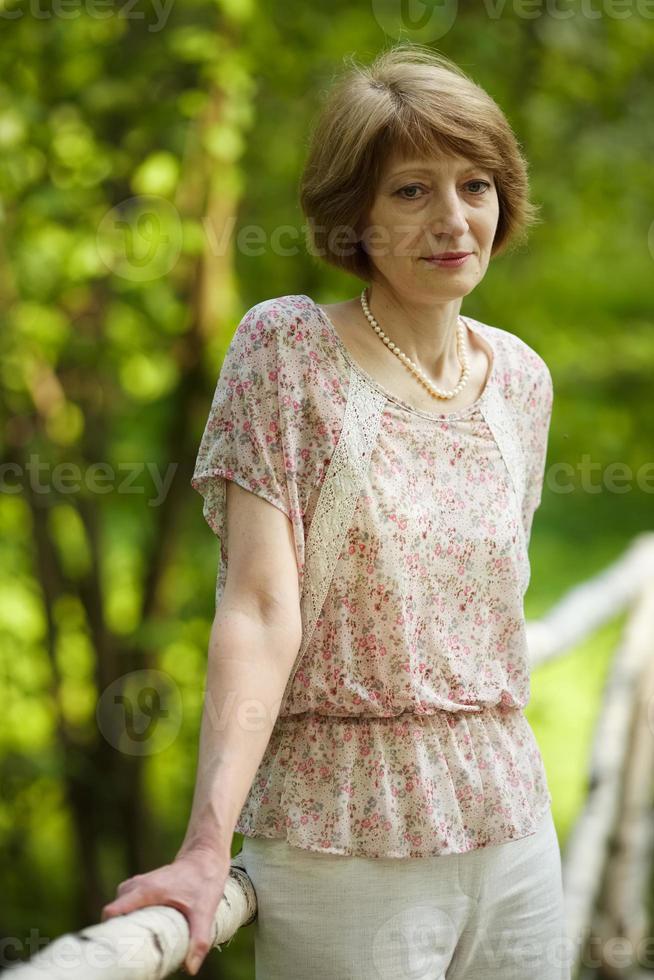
column 449, row 260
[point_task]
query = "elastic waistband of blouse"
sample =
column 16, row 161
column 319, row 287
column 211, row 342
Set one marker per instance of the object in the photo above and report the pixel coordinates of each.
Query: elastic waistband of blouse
column 312, row 714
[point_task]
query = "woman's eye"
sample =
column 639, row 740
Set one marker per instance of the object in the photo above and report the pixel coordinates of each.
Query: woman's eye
column 483, row 184
column 409, row 187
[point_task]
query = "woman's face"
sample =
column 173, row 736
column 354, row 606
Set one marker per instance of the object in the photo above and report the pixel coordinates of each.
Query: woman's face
column 426, row 207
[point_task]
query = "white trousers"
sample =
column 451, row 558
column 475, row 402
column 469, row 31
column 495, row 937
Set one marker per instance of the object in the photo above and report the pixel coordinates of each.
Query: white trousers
column 494, row 913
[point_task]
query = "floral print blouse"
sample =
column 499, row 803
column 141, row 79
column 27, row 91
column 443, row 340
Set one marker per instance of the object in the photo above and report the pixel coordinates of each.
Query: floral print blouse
column 402, row 733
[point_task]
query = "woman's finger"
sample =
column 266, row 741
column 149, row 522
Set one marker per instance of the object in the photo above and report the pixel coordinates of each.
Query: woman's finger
column 201, row 937
column 128, row 903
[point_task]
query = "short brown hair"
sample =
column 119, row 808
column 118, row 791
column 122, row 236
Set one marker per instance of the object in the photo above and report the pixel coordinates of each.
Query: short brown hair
column 411, row 100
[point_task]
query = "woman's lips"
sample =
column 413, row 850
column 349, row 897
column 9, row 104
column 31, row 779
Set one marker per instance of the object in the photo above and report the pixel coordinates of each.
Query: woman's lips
column 449, row 263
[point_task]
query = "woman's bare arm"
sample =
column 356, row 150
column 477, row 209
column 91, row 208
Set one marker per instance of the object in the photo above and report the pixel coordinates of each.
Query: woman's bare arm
column 250, row 659
column 255, row 638
column 256, row 634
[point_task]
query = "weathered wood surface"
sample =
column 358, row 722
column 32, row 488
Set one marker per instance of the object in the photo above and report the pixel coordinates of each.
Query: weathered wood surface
column 587, row 606
column 147, row 944
column 592, row 838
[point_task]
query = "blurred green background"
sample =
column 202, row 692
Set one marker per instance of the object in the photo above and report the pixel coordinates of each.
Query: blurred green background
column 137, row 145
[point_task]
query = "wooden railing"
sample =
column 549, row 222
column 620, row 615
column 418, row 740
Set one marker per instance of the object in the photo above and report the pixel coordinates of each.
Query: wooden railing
column 608, row 856
column 148, row 944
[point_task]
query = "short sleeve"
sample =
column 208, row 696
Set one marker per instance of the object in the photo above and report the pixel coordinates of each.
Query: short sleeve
column 537, row 418
column 244, row 438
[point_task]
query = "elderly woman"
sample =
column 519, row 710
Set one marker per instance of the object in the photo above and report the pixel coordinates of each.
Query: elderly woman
column 372, row 469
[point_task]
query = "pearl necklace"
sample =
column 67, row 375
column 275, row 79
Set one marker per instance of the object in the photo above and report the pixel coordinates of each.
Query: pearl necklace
column 419, row 373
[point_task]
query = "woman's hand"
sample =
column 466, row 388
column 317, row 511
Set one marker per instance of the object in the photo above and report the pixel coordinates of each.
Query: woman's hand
column 193, row 884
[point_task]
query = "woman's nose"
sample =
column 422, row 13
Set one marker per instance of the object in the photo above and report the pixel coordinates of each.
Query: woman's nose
column 447, row 215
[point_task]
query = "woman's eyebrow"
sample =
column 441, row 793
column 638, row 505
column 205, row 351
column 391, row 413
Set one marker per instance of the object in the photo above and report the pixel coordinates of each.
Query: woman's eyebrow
column 421, row 168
